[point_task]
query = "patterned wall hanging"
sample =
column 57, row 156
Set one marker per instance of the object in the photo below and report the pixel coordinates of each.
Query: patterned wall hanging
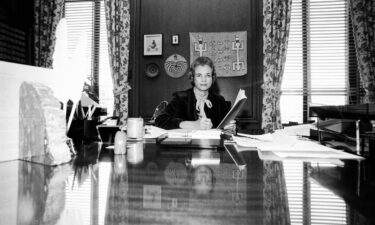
column 228, row 50
column 175, row 66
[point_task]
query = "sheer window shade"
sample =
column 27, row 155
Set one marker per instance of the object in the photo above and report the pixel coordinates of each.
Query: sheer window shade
column 292, row 84
column 89, row 17
column 318, row 58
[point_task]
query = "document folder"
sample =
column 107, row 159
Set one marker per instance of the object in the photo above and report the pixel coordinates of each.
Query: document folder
column 233, row 112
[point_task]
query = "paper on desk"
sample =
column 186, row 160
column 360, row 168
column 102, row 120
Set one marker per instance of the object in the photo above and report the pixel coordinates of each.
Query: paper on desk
column 293, row 147
column 261, row 137
column 194, row 134
column 206, row 134
column 291, row 143
column 179, row 133
column 246, row 142
column 154, row 132
column 301, row 130
column 281, row 142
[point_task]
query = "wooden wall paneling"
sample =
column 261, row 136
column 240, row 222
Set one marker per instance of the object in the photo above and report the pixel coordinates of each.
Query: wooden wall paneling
column 134, row 57
column 180, row 17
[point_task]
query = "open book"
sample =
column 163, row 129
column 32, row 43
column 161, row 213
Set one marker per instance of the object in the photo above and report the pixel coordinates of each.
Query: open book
column 233, row 112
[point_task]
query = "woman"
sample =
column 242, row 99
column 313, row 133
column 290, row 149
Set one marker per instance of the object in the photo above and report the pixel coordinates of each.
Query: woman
column 197, row 107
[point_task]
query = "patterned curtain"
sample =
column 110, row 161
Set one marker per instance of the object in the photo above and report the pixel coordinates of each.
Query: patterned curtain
column 276, row 206
column 276, row 21
column 363, row 19
column 118, row 30
column 47, row 14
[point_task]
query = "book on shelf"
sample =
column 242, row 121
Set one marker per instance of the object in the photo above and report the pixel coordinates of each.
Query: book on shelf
column 233, row 112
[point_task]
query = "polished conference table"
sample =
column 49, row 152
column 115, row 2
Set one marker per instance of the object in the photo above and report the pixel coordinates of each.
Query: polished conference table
column 173, row 185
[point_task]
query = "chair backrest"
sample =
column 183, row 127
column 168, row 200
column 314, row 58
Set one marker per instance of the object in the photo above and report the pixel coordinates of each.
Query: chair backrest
column 158, row 110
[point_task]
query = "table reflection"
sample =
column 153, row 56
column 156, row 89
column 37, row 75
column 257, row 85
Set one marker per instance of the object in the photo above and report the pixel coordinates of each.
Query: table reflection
column 41, row 193
column 99, row 187
column 117, row 207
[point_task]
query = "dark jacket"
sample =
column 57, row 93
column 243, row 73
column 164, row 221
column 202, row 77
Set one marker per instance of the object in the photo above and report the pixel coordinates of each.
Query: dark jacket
column 182, row 108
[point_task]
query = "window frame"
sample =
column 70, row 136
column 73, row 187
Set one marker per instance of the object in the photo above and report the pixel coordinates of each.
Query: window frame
column 352, row 89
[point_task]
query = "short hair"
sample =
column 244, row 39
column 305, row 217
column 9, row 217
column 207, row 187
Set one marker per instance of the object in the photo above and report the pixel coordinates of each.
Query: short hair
column 201, row 61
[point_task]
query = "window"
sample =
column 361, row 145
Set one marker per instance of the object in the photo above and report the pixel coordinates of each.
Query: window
column 87, row 18
column 319, row 58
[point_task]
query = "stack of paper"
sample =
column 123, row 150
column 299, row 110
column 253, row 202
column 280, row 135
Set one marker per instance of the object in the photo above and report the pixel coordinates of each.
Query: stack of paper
column 287, row 146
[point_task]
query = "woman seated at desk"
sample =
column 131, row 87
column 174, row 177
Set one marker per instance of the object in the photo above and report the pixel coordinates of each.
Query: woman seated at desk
column 198, row 107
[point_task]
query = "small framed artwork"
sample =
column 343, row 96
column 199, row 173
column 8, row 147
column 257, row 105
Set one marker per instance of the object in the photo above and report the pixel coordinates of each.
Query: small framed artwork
column 153, row 44
column 175, row 39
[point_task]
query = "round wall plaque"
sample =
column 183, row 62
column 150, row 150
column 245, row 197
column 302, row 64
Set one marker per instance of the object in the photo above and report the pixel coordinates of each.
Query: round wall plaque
column 152, row 70
column 175, row 66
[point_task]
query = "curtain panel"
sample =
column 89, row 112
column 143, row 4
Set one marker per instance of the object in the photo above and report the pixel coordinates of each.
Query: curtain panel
column 276, row 21
column 363, row 20
column 47, row 14
column 118, row 30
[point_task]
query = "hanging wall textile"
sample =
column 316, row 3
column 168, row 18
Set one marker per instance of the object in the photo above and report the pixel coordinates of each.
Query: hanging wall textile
column 175, row 66
column 228, row 50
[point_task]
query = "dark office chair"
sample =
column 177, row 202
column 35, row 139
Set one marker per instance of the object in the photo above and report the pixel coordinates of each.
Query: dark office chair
column 159, row 108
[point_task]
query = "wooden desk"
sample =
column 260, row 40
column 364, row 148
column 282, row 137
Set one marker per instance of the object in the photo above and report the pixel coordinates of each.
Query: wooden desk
column 101, row 188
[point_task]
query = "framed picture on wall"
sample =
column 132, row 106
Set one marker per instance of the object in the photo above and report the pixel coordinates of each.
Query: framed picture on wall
column 175, row 39
column 153, row 44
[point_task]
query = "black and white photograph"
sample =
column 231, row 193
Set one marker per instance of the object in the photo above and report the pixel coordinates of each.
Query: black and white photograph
column 212, row 112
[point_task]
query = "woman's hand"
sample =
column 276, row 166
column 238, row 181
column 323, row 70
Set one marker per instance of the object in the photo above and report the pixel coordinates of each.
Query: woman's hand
column 200, row 124
column 205, row 123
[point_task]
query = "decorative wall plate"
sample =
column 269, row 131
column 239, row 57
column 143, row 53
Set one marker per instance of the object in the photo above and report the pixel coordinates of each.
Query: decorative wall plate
column 152, row 70
column 175, row 66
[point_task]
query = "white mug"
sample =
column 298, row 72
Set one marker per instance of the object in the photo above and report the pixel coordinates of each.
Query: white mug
column 135, row 128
